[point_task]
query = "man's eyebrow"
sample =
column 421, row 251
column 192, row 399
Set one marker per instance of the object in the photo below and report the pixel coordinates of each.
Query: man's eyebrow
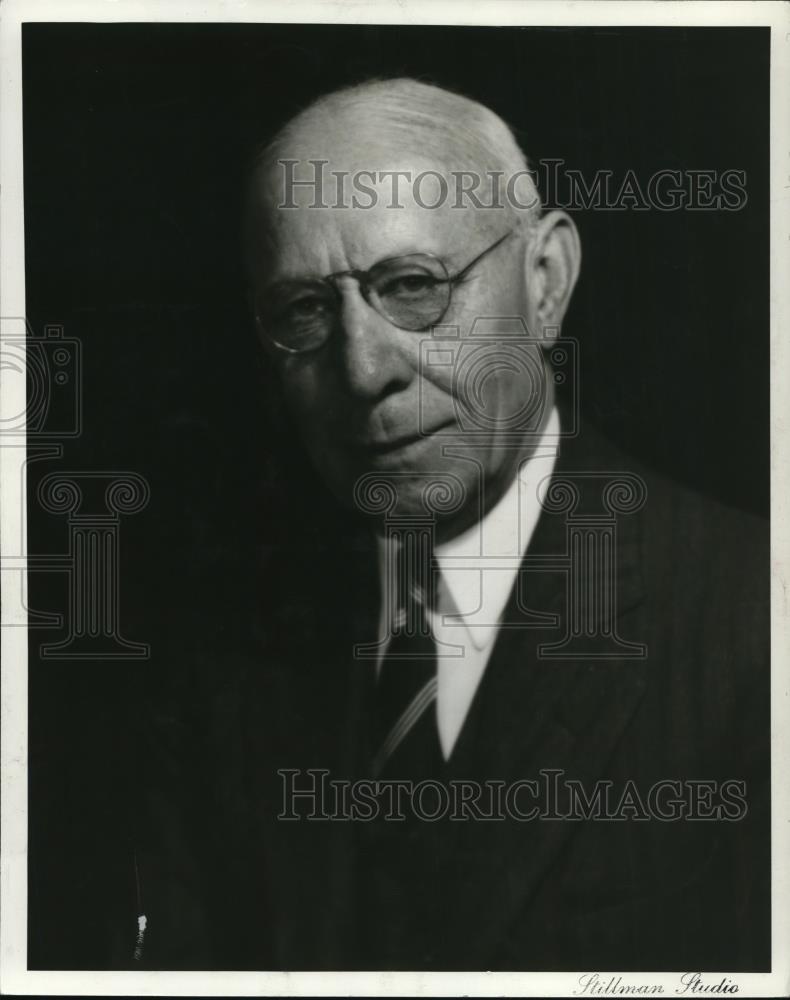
column 286, row 282
column 453, row 257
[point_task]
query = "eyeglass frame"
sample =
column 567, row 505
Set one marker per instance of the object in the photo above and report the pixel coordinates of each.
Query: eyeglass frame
column 362, row 278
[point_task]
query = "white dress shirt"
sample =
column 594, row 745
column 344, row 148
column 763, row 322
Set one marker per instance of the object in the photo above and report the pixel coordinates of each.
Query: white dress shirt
column 478, row 571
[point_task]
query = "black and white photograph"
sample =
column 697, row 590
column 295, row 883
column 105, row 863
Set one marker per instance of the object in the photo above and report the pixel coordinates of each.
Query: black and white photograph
column 394, row 530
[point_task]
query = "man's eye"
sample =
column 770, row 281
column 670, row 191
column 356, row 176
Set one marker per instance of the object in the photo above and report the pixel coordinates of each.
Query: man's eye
column 306, row 308
column 409, row 285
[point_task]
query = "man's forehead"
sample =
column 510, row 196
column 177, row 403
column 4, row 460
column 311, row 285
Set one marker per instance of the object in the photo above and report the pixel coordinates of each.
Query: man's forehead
column 351, row 138
column 356, row 220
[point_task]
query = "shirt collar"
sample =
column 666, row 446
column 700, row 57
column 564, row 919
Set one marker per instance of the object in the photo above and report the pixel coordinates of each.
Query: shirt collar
column 480, row 565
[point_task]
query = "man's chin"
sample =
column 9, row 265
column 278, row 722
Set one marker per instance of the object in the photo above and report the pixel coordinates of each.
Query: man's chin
column 392, row 491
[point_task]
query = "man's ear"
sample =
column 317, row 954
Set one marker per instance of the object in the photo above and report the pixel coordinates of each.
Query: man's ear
column 553, row 266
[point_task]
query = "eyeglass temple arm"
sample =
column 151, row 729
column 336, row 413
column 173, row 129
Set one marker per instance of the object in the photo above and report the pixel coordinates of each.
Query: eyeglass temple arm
column 462, row 273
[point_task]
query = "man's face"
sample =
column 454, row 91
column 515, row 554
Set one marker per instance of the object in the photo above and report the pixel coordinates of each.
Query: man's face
column 371, row 400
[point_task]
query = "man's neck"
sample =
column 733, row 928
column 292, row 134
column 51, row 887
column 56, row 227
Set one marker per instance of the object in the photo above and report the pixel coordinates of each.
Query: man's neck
column 494, row 489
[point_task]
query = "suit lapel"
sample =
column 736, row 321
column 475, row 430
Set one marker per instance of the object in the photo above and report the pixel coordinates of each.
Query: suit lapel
column 532, row 714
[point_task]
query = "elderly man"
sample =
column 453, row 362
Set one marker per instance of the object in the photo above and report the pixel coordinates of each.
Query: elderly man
column 515, row 716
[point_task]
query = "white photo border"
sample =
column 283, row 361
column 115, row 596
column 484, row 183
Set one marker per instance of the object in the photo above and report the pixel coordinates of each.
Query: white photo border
column 14, row 976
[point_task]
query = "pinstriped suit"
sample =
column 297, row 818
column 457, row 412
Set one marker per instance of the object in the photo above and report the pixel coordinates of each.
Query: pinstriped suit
column 246, row 890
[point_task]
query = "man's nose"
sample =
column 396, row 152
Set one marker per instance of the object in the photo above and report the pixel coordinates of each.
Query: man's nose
column 372, row 360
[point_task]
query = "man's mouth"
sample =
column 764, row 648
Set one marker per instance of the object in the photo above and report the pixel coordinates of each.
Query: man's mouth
column 389, row 445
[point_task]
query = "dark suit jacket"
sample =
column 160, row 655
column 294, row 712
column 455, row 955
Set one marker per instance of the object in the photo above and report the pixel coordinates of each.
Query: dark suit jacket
column 225, row 884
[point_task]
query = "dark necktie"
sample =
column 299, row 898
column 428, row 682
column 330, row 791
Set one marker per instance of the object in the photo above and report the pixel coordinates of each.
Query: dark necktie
column 399, row 860
column 406, row 735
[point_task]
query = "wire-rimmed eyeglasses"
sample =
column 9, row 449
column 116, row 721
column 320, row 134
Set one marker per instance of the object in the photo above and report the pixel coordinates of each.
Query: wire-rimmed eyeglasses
column 413, row 292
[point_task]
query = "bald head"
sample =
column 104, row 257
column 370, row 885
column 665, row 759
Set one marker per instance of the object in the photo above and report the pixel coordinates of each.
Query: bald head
column 466, row 154
column 354, row 276
column 456, row 133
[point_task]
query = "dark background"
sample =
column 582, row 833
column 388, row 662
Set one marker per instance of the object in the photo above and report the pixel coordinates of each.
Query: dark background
column 135, row 141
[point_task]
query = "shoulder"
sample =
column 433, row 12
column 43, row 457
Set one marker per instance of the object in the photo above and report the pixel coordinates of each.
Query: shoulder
column 705, row 581
column 701, row 569
column 677, row 521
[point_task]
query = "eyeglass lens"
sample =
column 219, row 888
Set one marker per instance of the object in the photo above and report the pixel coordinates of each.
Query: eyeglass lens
column 412, row 292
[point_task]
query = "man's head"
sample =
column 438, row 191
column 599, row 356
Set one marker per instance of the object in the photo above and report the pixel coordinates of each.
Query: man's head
column 422, row 365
